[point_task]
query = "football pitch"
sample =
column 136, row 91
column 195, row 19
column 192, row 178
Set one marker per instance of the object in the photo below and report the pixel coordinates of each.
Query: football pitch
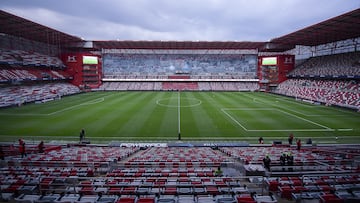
column 163, row 116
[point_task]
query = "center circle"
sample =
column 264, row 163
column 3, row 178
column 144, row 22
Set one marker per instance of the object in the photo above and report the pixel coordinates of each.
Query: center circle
column 192, row 102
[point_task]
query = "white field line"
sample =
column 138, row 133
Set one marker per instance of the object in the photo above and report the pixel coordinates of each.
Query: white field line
column 298, row 112
column 282, row 130
column 345, row 129
column 304, row 119
column 94, row 101
column 233, row 119
column 261, row 102
column 313, row 106
column 158, row 102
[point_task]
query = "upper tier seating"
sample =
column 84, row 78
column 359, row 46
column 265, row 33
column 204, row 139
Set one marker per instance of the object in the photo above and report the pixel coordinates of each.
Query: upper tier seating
column 25, row 74
column 25, row 58
column 120, row 65
column 202, row 86
column 338, row 65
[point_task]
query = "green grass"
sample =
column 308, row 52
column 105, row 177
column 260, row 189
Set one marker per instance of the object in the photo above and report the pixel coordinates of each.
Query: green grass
column 154, row 116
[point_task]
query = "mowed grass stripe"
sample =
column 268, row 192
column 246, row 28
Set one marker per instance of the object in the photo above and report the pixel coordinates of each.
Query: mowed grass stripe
column 107, row 117
column 132, row 118
column 168, row 124
column 68, row 123
column 226, row 125
column 192, row 120
column 209, row 123
column 242, row 98
column 41, row 125
column 154, row 118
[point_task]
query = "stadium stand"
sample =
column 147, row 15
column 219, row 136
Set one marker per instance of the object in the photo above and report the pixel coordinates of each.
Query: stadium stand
column 329, row 79
column 228, row 86
column 127, row 86
column 25, row 58
column 80, row 173
column 345, row 93
column 18, row 95
column 191, row 86
column 336, row 65
column 130, row 65
column 31, row 77
column 30, row 74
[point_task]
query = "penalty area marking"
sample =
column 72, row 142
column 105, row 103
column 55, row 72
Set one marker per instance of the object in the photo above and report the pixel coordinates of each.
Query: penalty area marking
column 345, row 129
column 198, row 102
column 325, row 128
column 99, row 100
column 306, row 105
column 95, row 101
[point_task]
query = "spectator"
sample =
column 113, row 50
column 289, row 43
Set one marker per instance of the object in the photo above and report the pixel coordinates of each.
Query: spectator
column 267, row 162
column 2, row 155
column 291, row 138
column 82, row 135
column 218, row 172
column 41, row 147
column 298, row 144
column 21, row 141
column 23, row 150
column 290, row 161
column 283, row 160
column 261, row 140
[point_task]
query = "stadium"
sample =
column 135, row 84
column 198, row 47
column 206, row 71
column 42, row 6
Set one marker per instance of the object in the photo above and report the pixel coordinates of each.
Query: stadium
column 180, row 121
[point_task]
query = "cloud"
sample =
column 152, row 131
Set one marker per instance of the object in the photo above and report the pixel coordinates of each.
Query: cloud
column 209, row 20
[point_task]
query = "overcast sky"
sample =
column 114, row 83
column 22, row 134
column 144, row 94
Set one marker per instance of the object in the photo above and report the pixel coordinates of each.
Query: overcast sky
column 180, row 20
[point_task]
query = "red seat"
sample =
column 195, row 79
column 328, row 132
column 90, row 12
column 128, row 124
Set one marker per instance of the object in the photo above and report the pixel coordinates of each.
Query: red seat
column 170, row 191
column 286, row 191
column 245, row 199
column 330, row 198
column 212, row 190
column 128, row 190
column 146, row 200
column 273, row 185
column 126, row 200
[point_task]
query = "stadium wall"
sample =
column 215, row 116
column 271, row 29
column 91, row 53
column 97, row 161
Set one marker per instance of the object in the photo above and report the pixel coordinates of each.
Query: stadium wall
column 85, row 76
column 273, row 72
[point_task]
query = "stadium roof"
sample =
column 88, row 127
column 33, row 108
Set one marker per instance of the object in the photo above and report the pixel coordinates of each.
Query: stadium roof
column 346, row 26
column 16, row 26
column 342, row 27
column 177, row 45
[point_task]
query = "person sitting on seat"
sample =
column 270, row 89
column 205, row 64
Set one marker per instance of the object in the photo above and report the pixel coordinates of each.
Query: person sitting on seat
column 218, row 172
